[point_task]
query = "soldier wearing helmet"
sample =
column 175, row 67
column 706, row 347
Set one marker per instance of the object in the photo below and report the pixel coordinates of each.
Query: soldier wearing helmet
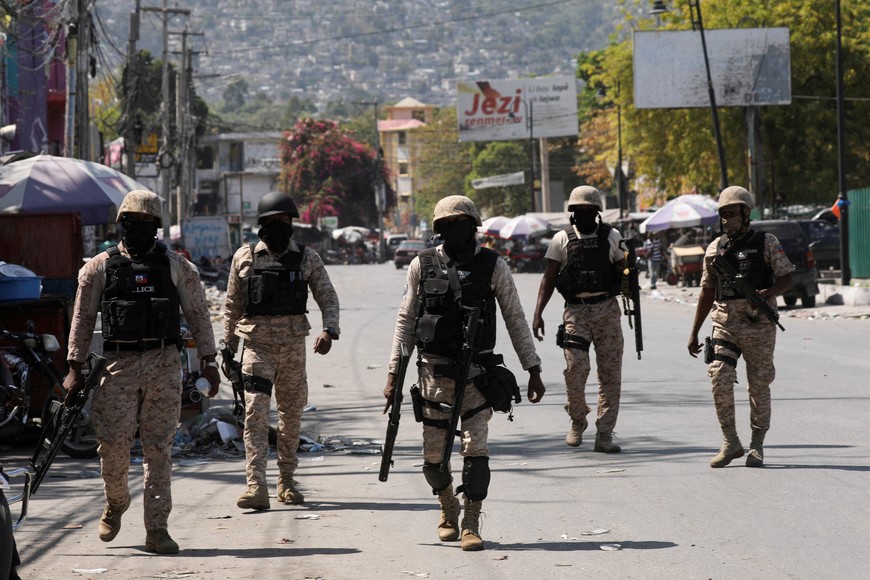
column 443, row 283
column 738, row 327
column 266, row 305
column 139, row 287
column 585, row 263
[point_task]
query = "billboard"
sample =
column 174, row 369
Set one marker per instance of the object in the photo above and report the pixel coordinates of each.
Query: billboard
column 749, row 67
column 502, row 110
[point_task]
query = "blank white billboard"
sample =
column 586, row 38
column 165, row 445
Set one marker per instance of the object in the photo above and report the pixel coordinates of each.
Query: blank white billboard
column 500, row 110
column 749, row 66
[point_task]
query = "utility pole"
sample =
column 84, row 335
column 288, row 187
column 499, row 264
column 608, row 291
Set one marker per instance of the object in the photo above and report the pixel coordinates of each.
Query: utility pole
column 82, row 129
column 842, row 196
column 380, row 187
column 164, row 156
column 131, row 139
column 182, row 117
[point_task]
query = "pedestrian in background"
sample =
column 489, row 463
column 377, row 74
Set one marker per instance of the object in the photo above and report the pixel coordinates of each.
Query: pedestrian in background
column 267, row 297
column 655, row 257
column 434, row 321
column 585, row 263
column 139, row 286
column 738, row 327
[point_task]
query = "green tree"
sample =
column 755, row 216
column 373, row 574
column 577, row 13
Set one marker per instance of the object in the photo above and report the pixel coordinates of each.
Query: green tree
column 496, row 158
column 234, row 95
column 331, row 174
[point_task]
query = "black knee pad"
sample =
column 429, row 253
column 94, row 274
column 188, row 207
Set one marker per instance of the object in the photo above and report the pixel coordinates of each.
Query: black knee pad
column 475, row 478
column 436, row 478
column 255, row 384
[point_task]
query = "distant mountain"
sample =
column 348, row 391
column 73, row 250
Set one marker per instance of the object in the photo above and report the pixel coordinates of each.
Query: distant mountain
column 369, row 50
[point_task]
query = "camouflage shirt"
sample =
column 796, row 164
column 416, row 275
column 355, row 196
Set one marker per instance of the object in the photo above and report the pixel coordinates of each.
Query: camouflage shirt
column 282, row 327
column 508, row 301
column 92, row 281
column 739, row 310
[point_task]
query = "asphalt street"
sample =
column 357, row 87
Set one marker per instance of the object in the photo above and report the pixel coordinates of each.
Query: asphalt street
column 656, row 510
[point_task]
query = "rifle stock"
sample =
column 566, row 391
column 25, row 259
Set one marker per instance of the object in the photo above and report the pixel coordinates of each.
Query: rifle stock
column 395, row 415
column 459, row 388
column 631, row 294
column 236, row 381
column 746, row 290
column 58, row 428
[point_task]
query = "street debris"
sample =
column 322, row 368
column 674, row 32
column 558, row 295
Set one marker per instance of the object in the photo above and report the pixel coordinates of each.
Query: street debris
column 416, row 573
column 610, row 547
column 596, row 532
column 89, row 570
column 615, row 470
column 308, row 517
column 286, row 541
column 72, row 527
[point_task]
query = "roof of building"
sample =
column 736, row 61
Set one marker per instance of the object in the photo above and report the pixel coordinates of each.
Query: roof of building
column 399, row 124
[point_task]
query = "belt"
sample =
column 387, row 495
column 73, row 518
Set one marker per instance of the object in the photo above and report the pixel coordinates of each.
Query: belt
column 138, row 346
column 590, row 300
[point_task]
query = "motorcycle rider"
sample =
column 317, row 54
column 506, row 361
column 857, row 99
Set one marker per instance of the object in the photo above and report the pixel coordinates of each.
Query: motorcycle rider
column 267, row 294
column 432, row 322
column 138, row 286
column 584, row 263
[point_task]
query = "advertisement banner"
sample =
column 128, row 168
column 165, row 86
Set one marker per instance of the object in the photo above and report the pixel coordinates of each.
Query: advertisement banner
column 517, row 109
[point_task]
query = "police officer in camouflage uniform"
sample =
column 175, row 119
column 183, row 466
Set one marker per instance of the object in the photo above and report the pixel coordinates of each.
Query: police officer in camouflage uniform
column 267, row 296
column 738, row 327
column 433, row 321
column 584, row 263
column 138, row 286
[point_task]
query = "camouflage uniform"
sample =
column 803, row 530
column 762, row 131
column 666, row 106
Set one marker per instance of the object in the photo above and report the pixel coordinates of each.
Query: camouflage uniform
column 140, row 390
column 274, row 350
column 474, row 430
column 738, row 323
column 600, row 324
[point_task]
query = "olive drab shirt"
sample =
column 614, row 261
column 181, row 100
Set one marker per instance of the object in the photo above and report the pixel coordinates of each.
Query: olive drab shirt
column 276, row 327
column 508, row 301
column 741, row 310
column 92, row 281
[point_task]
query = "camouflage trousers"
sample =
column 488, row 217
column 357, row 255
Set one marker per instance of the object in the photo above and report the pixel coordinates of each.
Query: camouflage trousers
column 284, row 366
column 474, row 430
column 756, row 342
column 139, row 390
column 600, row 325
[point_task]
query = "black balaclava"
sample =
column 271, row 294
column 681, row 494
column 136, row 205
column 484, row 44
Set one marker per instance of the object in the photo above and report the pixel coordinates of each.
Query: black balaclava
column 276, row 235
column 586, row 220
column 737, row 230
column 458, row 238
column 139, row 236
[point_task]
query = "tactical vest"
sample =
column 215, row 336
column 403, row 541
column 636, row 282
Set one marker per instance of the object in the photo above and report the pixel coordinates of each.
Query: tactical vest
column 140, row 301
column 276, row 286
column 589, row 268
column 440, row 320
column 746, row 256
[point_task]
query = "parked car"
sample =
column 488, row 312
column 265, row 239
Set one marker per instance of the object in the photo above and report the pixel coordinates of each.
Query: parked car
column 825, row 241
column 393, row 242
column 797, row 248
column 407, row 251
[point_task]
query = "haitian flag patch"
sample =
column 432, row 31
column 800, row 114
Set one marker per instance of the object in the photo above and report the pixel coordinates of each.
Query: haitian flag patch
column 141, row 279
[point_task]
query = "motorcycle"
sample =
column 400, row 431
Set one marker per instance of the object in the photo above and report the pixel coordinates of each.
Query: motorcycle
column 26, row 367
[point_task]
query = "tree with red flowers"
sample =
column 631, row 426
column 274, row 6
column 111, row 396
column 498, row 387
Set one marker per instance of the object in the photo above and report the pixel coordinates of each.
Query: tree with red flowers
column 328, row 173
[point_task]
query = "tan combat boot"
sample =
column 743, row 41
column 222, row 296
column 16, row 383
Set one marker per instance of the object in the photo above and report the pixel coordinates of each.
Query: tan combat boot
column 256, row 498
column 287, row 492
column 575, row 434
column 448, row 525
column 731, row 448
column 110, row 523
column 471, row 540
column 756, row 450
column 604, row 443
column 160, row 542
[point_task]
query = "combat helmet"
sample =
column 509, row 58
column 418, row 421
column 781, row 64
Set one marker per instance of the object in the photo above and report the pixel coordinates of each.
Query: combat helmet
column 736, row 195
column 141, row 201
column 275, row 203
column 584, row 195
column 454, row 205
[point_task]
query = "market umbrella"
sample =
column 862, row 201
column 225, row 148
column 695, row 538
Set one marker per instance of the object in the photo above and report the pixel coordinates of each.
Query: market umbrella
column 49, row 184
column 523, row 225
column 492, row 226
column 685, row 211
column 350, row 234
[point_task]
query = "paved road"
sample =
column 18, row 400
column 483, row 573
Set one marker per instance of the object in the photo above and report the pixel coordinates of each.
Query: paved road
column 552, row 510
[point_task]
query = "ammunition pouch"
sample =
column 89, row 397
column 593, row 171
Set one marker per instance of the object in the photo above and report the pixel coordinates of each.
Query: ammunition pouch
column 417, row 403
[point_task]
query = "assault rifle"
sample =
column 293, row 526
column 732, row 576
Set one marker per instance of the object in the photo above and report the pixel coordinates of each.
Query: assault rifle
column 62, row 420
column 727, row 271
column 395, row 415
column 459, row 388
column 631, row 294
column 236, row 381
